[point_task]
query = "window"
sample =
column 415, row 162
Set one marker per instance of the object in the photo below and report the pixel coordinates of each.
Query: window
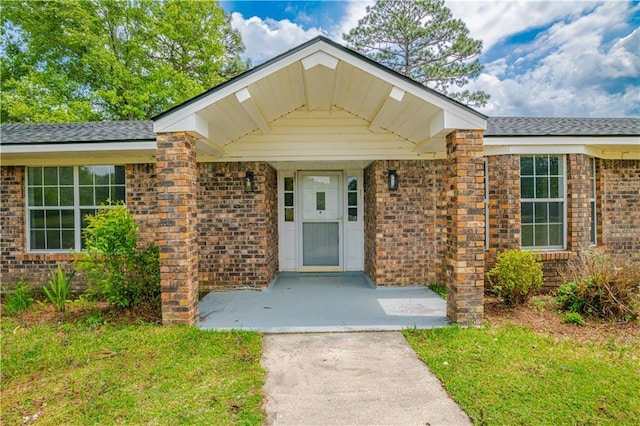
column 352, row 199
column 592, row 200
column 58, row 199
column 542, row 187
column 288, row 199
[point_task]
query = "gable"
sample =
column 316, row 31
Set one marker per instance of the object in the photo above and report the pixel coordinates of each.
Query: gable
column 321, row 76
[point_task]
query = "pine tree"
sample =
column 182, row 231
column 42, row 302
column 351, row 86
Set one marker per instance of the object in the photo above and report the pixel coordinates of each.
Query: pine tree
column 421, row 40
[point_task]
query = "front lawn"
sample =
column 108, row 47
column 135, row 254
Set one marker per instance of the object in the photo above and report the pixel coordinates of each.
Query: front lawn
column 508, row 374
column 76, row 374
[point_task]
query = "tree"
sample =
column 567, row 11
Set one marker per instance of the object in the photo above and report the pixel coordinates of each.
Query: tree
column 85, row 60
column 421, row 40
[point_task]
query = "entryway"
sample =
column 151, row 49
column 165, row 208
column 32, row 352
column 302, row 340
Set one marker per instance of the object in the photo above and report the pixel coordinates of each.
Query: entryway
column 320, row 219
column 322, row 303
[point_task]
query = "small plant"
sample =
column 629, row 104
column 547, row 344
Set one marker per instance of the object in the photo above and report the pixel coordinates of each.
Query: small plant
column 95, row 319
column 59, row 287
column 602, row 286
column 516, row 276
column 17, row 300
column 568, row 299
column 573, row 318
column 438, row 289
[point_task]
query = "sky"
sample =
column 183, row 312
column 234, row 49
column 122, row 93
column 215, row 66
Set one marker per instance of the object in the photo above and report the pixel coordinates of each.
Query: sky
column 541, row 58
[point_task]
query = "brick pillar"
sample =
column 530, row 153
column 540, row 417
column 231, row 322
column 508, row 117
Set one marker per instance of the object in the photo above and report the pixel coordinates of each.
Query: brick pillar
column 465, row 227
column 578, row 211
column 176, row 170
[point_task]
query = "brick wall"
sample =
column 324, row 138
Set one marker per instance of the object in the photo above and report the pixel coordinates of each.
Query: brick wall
column 620, row 205
column 403, row 227
column 238, row 233
column 578, row 211
column 504, row 205
column 142, row 200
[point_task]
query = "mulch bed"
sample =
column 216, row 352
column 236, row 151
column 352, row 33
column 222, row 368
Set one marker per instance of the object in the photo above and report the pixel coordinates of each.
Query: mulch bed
column 45, row 313
column 540, row 315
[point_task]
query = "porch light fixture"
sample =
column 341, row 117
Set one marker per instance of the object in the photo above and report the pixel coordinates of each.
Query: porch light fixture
column 249, row 182
column 393, row 180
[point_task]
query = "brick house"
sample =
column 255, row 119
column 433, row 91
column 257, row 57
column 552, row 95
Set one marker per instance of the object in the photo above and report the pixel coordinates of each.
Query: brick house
column 322, row 160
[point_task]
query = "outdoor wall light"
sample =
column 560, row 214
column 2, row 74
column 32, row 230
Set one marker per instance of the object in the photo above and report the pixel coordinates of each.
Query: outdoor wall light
column 249, row 182
column 393, row 180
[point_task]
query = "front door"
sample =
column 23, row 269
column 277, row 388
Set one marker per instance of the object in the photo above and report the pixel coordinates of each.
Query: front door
column 320, row 232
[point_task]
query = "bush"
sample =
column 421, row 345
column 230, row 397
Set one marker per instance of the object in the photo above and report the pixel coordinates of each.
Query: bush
column 516, row 276
column 17, row 300
column 573, row 318
column 568, row 298
column 602, row 286
column 59, row 287
column 116, row 270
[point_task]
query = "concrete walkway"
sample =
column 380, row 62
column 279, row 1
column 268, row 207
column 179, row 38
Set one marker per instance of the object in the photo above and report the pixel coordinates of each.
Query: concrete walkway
column 352, row 379
column 298, row 303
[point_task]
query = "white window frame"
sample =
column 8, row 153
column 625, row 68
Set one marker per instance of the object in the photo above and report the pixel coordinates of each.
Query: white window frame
column 76, row 208
column 593, row 204
column 562, row 200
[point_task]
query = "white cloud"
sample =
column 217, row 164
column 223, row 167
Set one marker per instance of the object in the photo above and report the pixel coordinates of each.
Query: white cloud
column 573, row 68
column 493, row 21
column 355, row 11
column 266, row 38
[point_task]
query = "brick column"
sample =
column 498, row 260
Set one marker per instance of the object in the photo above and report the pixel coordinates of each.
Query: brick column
column 578, row 211
column 465, row 227
column 176, row 170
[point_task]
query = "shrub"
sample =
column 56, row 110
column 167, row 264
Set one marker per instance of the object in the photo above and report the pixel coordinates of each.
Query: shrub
column 116, row 270
column 573, row 318
column 59, row 287
column 602, row 286
column 17, row 300
column 568, row 298
column 516, row 276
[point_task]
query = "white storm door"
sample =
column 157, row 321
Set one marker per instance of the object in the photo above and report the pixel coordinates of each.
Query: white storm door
column 320, row 232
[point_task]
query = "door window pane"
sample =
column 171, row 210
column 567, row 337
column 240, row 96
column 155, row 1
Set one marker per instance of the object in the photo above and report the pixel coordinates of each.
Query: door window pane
column 288, row 199
column 288, row 184
column 353, row 198
column 288, row 215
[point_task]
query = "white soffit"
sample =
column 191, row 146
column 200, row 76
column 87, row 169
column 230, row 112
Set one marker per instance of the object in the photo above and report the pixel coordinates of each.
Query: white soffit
column 608, row 147
column 320, row 77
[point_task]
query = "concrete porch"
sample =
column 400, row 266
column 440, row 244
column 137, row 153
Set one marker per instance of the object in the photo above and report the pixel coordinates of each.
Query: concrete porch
column 297, row 303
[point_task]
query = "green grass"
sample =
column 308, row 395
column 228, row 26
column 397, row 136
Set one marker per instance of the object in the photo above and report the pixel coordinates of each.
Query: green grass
column 74, row 374
column 510, row 375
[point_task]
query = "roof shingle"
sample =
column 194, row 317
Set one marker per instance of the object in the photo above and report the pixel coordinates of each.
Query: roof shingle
column 562, row 126
column 99, row 131
column 121, row 131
